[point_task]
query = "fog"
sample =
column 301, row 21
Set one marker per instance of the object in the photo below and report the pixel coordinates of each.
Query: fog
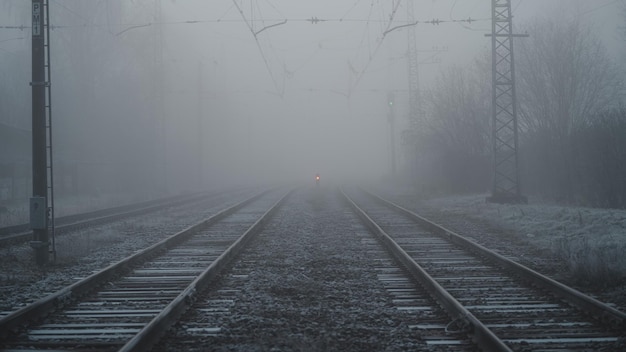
column 192, row 98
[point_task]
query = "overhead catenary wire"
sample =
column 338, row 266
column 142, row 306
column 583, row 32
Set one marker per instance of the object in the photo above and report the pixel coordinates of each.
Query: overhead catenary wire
column 380, row 41
column 283, row 67
column 280, row 91
column 350, row 10
column 386, row 24
column 270, row 26
column 366, row 32
column 243, row 17
column 314, row 20
column 133, row 27
column 274, row 7
column 59, row 4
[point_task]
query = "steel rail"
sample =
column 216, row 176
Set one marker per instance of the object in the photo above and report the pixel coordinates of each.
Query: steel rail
column 21, row 233
column 152, row 332
column 481, row 335
column 69, row 294
column 599, row 310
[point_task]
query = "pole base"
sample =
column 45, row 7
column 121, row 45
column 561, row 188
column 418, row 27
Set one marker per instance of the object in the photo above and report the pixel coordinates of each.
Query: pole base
column 41, row 252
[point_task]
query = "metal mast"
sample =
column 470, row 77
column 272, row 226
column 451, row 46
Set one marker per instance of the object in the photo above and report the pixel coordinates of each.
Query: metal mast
column 506, row 183
column 160, row 141
column 200, row 125
column 41, row 203
column 410, row 135
column 392, row 131
column 49, row 165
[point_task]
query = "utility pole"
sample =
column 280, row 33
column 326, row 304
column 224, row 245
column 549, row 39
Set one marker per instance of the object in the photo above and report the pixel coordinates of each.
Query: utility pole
column 39, row 211
column 160, row 126
column 506, row 180
column 200, row 125
column 392, row 131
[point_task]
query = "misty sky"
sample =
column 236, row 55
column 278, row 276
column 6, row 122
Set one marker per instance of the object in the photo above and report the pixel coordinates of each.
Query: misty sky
column 305, row 97
column 315, row 94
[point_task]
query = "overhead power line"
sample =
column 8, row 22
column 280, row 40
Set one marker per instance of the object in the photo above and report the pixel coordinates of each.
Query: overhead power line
column 312, row 20
column 280, row 90
column 20, row 27
column 378, row 45
column 434, row 21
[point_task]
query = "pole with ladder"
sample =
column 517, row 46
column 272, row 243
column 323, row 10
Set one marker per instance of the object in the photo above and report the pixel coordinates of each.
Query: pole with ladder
column 49, row 165
column 42, row 201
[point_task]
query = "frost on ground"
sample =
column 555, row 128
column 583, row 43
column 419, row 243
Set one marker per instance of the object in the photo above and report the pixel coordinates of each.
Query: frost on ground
column 84, row 251
column 580, row 246
column 591, row 241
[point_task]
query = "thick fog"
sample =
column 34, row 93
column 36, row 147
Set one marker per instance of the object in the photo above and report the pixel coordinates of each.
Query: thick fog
column 193, row 93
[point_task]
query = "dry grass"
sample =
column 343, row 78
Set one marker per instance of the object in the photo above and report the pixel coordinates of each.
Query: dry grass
column 592, row 242
column 600, row 264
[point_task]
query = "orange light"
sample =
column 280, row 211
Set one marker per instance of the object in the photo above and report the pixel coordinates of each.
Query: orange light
column 317, row 177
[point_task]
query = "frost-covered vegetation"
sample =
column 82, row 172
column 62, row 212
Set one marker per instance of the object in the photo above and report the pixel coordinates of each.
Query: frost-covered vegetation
column 591, row 241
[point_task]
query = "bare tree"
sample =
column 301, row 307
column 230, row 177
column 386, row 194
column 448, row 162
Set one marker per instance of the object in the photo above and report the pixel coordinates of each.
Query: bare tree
column 565, row 77
column 565, row 80
column 459, row 110
column 452, row 142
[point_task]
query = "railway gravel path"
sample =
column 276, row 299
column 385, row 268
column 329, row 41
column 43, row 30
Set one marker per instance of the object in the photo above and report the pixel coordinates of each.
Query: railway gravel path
column 87, row 250
column 324, row 287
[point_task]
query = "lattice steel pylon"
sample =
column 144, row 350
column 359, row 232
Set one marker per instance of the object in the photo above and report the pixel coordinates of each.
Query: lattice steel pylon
column 506, row 180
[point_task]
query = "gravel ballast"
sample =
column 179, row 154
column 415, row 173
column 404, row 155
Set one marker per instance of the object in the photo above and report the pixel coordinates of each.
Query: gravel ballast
column 306, row 283
column 82, row 252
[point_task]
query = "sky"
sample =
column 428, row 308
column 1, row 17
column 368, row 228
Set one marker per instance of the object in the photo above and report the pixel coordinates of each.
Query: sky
column 307, row 93
column 318, row 89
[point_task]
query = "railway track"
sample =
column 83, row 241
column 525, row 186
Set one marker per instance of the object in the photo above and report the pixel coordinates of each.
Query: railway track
column 503, row 305
column 21, row 233
column 315, row 279
column 127, row 305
